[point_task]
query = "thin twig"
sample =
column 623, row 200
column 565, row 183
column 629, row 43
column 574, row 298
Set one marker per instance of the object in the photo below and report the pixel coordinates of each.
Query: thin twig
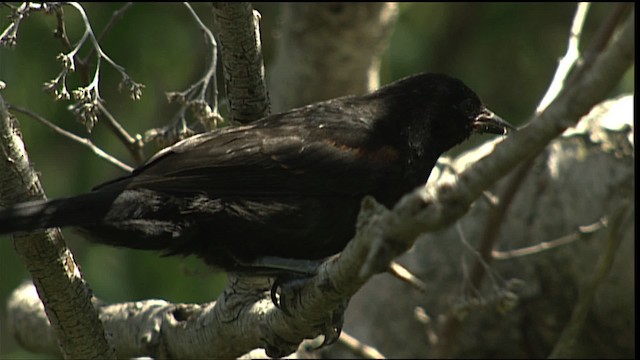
column 61, row 33
column 400, row 272
column 88, row 33
column 358, row 348
column 193, row 98
column 9, row 37
column 83, row 141
column 495, row 218
column 61, row 30
column 547, row 245
column 114, row 17
column 211, row 70
column 424, row 318
column 133, row 144
column 566, row 345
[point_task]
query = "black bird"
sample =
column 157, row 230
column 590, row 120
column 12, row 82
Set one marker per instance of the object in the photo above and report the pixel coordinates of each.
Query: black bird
column 287, row 186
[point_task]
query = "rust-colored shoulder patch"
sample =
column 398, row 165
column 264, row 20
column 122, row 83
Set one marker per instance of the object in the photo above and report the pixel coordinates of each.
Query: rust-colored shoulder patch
column 386, row 154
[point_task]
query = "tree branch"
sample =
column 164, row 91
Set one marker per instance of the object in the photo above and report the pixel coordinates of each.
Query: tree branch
column 65, row 295
column 238, row 31
column 327, row 50
column 80, row 140
column 242, row 320
column 497, row 214
column 566, row 345
column 582, row 176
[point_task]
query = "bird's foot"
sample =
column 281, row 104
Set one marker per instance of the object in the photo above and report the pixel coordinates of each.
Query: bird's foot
column 286, row 288
column 286, row 291
column 330, row 328
column 290, row 275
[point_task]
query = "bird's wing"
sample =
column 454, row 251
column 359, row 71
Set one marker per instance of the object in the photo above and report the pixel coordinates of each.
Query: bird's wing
column 292, row 154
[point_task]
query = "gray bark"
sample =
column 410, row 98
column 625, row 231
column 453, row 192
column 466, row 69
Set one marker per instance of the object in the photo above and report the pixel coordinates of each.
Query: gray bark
column 583, row 176
column 66, row 297
column 326, row 50
column 238, row 32
column 383, row 234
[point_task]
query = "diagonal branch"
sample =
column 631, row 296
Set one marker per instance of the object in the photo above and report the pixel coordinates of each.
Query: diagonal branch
column 66, row 297
column 496, row 215
column 242, row 320
column 565, row 347
column 78, row 139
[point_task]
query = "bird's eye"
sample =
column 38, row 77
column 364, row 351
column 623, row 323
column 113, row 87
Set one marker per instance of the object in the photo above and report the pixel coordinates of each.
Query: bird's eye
column 469, row 107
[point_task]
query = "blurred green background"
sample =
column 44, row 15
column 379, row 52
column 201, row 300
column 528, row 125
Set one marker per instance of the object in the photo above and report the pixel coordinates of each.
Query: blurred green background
column 506, row 52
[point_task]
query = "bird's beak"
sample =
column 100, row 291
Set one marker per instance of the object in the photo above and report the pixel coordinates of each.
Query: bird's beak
column 488, row 122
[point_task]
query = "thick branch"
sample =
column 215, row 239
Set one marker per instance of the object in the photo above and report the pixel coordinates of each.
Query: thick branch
column 441, row 205
column 238, row 32
column 565, row 193
column 326, row 50
column 66, row 297
column 240, row 321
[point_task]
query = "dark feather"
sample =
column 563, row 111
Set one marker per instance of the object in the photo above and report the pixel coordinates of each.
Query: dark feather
column 288, row 185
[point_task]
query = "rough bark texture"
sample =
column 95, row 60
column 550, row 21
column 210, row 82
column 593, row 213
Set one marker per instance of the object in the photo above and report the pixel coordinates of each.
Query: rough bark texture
column 154, row 328
column 238, row 33
column 536, row 323
column 65, row 295
column 326, row 50
column 585, row 175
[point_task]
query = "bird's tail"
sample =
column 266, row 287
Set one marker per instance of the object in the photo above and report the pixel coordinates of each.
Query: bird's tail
column 72, row 211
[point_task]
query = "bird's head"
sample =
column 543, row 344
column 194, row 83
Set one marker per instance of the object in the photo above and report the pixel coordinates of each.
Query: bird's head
column 435, row 112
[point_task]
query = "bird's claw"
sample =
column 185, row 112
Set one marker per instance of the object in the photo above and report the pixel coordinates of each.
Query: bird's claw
column 333, row 328
column 330, row 329
column 287, row 287
column 285, row 291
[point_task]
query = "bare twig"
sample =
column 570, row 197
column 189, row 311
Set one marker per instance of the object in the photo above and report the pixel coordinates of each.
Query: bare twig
column 210, row 74
column 61, row 30
column 400, row 272
column 495, row 219
column 424, row 318
column 88, row 100
column 133, row 144
column 114, row 17
column 358, row 348
column 9, row 36
column 565, row 347
column 89, row 34
column 493, row 224
column 547, row 245
column 238, row 326
column 452, row 325
column 193, row 98
column 89, row 103
column 83, row 141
